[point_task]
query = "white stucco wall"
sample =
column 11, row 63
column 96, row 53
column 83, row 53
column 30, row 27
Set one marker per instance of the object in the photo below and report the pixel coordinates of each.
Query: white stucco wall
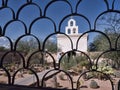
column 82, row 43
column 64, row 43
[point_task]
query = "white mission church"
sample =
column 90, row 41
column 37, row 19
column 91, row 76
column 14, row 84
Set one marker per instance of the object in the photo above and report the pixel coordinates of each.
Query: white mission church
column 63, row 42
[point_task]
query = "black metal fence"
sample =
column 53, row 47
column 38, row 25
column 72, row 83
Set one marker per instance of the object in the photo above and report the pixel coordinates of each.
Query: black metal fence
column 25, row 44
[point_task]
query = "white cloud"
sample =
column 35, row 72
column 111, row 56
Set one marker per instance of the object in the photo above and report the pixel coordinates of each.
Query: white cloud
column 4, row 42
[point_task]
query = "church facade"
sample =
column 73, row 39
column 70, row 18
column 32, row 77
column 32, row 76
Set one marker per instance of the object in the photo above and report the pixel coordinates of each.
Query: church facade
column 72, row 32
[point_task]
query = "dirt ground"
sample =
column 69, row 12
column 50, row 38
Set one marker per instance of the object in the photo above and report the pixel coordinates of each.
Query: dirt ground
column 103, row 84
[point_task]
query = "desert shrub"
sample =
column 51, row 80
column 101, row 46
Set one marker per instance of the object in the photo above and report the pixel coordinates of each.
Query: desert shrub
column 117, row 74
column 73, row 62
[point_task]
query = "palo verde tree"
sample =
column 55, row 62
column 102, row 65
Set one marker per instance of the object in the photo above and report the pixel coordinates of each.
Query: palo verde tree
column 109, row 23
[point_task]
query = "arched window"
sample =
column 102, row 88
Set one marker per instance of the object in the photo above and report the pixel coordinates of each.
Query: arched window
column 69, row 31
column 71, row 23
column 74, row 30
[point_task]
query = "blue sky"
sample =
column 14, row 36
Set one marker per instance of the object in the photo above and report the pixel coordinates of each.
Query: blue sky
column 43, row 27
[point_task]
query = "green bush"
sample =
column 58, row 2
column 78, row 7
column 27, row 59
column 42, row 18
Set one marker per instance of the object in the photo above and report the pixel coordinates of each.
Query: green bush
column 73, row 62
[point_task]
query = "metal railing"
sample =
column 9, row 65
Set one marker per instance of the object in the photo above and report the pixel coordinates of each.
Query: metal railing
column 13, row 18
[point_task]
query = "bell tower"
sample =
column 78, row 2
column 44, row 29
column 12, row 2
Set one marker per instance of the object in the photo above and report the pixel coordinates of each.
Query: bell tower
column 72, row 31
column 71, row 28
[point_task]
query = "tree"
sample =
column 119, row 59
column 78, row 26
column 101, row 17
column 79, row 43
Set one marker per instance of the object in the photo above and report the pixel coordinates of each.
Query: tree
column 51, row 46
column 27, row 47
column 100, row 43
column 110, row 22
column 2, row 48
